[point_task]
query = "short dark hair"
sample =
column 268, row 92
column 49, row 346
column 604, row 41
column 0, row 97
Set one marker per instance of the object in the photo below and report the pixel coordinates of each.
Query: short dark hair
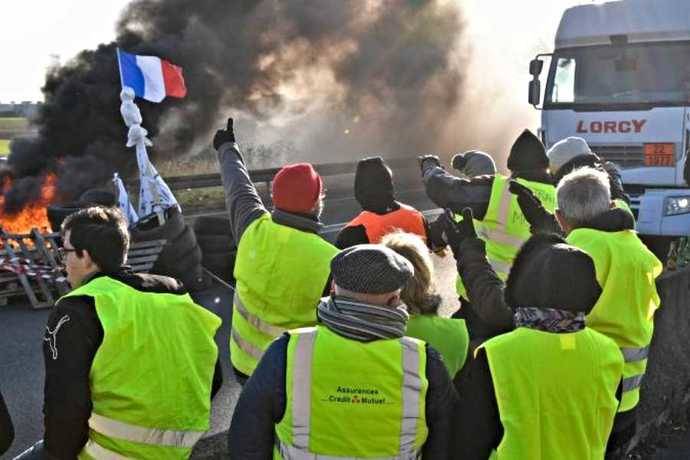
column 103, row 232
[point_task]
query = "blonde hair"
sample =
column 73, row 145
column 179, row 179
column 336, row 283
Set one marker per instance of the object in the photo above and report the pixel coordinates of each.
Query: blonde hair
column 420, row 293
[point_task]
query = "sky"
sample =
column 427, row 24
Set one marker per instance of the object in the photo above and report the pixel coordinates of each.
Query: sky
column 34, row 32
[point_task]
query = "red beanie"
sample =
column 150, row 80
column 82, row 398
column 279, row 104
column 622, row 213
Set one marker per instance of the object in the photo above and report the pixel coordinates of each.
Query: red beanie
column 297, row 188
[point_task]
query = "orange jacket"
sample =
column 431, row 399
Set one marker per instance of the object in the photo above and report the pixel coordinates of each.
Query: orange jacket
column 377, row 226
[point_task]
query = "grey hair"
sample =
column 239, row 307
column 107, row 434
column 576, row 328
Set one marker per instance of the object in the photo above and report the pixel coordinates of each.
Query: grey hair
column 582, row 195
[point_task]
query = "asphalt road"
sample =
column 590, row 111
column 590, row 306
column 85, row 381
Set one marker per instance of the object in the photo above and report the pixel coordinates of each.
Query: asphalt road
column 21, row 334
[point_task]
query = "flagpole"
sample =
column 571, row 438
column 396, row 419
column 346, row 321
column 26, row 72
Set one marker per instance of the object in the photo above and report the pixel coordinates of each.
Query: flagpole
column 119, row 66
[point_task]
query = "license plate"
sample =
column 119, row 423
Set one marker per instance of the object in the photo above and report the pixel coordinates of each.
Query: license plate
column 659, row 154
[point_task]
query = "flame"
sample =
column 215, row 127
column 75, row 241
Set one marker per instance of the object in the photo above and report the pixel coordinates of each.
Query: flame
column 34, row 215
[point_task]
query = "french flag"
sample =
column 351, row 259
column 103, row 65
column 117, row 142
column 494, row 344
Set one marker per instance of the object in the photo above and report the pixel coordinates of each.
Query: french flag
column 151, row 77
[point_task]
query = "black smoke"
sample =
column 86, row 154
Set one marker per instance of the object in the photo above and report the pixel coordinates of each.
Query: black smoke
column 385, row 68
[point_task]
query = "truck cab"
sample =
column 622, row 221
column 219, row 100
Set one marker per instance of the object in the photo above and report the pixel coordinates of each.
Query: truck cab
column 619, row 77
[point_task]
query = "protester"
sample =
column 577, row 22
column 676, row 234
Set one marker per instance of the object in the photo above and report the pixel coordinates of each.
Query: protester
column 626, row 271
column 281, row 267
column 547, row 389
column 474, row 163
column 129, row 357
column 499, row 221
column 381, row 212
column 6, row 427
column 447, row 335
column 353, row 386
column 572, row 153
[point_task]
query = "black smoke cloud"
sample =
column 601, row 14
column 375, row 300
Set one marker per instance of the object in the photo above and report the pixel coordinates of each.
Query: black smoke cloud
column 386, row 64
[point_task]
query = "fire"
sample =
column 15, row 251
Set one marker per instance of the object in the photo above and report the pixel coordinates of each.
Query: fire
column 34, row 215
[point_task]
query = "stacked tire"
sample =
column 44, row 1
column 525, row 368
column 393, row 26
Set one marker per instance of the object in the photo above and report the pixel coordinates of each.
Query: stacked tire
column 218, row 249
column 181, row 255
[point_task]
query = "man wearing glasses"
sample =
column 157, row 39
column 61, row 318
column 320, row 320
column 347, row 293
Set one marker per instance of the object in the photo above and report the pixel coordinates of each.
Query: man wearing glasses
column 129, row 357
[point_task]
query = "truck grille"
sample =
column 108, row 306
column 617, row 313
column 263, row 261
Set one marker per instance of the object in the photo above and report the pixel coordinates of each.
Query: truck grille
column 625, row 156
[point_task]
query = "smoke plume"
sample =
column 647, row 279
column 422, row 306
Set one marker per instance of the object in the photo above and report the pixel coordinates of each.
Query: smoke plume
column 347, row 77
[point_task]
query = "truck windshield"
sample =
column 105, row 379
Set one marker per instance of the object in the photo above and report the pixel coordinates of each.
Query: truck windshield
column 644, row 74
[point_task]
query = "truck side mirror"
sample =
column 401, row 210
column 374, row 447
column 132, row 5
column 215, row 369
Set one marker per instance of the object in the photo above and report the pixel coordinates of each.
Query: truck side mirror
column 534, row 92
column 535, row 67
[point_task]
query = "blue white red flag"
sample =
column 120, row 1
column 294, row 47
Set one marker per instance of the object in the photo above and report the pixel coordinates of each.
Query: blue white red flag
column 151, row 77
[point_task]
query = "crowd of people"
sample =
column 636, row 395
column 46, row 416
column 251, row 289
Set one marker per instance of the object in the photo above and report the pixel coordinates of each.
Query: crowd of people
column 341, row 348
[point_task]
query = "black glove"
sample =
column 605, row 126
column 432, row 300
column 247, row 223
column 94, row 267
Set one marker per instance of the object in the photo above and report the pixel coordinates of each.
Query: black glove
column 224, row 136
column 427, row 162
column 459, row 161
column 539, row 219
column 454, row 233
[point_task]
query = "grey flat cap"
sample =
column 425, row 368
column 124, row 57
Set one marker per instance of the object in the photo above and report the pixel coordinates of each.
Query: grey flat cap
column 370, row 269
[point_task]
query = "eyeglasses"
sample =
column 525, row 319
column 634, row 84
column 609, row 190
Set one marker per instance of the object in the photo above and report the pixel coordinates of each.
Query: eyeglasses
column 62, row 252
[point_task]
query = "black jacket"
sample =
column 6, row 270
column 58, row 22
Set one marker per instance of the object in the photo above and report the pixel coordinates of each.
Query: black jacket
column 73, row 335
column 6, row 427
column 262, row 404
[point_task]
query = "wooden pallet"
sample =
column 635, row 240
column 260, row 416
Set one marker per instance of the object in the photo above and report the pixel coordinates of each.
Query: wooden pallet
column 35, row 270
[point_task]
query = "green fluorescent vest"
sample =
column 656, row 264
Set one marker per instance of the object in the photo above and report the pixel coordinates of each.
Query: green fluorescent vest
column 281, row 273
column 626, row 271
column 151, row 377
column 447, row 335
column 504, row 227
column 353, row 399
column 555, row 393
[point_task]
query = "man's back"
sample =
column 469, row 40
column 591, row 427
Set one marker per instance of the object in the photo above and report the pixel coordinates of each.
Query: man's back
column 555, row 392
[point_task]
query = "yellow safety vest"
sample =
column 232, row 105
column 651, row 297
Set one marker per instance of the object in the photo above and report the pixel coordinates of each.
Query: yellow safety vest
column 555, row 392
column 281, row 273
column 350, row 399
column 504, row 228
column 151, row 378
column 626, row 271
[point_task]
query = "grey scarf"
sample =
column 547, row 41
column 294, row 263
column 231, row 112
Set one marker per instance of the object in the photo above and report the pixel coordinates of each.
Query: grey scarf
column 549, row 319
column 362, row 321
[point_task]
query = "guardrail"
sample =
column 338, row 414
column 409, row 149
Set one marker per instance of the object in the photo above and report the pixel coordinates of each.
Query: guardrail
column 266, row 175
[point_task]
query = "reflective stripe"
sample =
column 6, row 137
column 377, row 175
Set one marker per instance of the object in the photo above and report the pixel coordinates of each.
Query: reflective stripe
column 500, row 267
column 631, row 383
column 249, row 348
column 412, row 386
column 301, row 402
column 632, row 355
column 301, row 390
column 504, row 206
column 258, row 323
column 500, row 237
column 288, row 452
column 101, row 453
column 154, row 436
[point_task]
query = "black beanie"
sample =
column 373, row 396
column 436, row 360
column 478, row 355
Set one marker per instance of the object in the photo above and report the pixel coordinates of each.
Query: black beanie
column 527, row 153
column 374, row 185
column 549, row 273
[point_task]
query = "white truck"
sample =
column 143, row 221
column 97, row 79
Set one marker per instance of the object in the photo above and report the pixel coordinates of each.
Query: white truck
column 619, row 77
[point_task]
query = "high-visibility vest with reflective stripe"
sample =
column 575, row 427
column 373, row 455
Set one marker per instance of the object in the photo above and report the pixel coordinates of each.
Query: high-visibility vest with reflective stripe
column 626, row 271
column 504, row 227
column 377, row 226
column 556, row 393
column 350, row 399
column 281, row 273
column 151, row 378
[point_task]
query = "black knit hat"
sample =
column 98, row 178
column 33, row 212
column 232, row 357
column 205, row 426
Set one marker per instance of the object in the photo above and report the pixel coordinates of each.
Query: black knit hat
column 374, row 184
column 370, row 269
column 549, row 273
column 527, row 154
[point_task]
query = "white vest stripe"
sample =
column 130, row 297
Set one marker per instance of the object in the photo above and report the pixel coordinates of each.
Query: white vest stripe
column 249, row 348
column 101, row 453
column 632, row 355
column 154, row 436
column 412, row 387
column 301, row 389
column 258, row 323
